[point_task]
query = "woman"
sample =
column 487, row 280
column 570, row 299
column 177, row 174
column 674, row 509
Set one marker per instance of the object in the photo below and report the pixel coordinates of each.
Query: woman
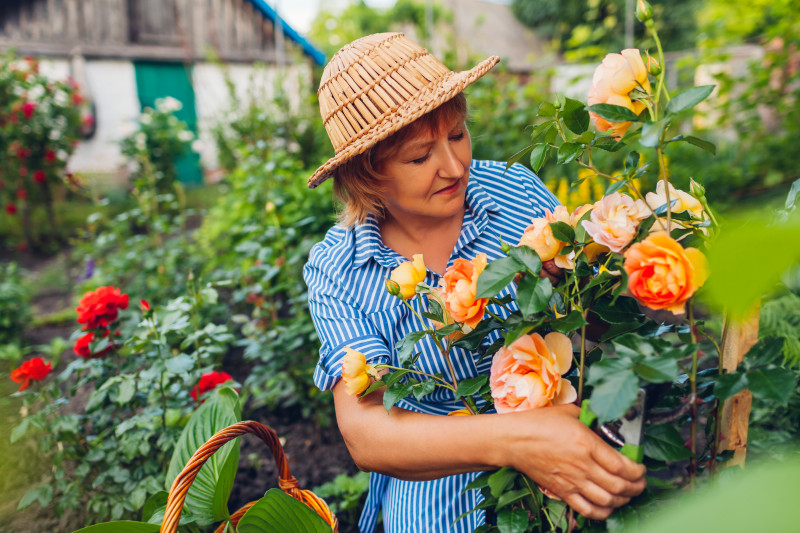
column 403, row 169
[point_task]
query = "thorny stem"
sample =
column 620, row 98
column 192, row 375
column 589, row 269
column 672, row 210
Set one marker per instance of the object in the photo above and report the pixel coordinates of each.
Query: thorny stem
column 693, row 379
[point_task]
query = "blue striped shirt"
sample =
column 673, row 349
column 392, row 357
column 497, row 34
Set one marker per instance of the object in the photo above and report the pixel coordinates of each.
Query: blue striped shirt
column 350, row 306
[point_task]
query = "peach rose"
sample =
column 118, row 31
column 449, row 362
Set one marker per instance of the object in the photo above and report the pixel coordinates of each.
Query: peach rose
column 683, row 200
column 528, row 373
column 539, row 235
column 614, row 221
column 460, row 286
column 406, row 277
column 356, row 373
column 662, row 274
column 613, row 81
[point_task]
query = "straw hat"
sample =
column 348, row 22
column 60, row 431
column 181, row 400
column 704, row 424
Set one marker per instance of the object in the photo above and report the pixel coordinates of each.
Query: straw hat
column 375, row 85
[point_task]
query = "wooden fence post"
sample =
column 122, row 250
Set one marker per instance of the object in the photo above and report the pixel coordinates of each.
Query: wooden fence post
column 737, row 339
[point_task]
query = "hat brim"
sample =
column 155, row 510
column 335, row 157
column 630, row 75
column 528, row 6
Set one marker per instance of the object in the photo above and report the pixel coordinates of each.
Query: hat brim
column 429, row 98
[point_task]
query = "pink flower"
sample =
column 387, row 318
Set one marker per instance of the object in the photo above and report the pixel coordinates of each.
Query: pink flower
column 614, row 221
column 528, row 373
column 28, row 109
column 39, row 176
column 539, row 235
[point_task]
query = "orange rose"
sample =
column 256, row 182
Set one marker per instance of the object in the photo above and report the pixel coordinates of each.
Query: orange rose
column 662, row 274
column 460, row 284
column 356, row 373
column 407, row 276
column 613, row 81
column 614, row 221
column 528, row 373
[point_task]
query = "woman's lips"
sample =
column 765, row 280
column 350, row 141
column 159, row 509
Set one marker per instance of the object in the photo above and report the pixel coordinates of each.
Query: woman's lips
column 449, row 190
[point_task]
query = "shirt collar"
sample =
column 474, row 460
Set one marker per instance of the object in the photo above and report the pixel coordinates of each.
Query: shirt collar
column 368, row 242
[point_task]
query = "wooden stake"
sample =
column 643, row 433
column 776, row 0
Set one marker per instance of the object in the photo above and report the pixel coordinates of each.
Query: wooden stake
column 737, row 339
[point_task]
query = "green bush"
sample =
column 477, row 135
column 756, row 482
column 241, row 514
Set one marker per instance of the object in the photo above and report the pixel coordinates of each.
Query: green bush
column 15, row 309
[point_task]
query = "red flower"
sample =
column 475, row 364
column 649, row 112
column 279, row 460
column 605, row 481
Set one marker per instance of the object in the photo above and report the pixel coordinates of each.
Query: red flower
column 39, row 176
column 35, row 369
column 100, row 308
column 23, row 153
column 77, row 99
column 22, row 194
column 209, row 382
column 23, row 171
column 83, row 346
column 11, row 209
column 88, row 121
column 49, row 156
column 144, row 306
column 28, row 109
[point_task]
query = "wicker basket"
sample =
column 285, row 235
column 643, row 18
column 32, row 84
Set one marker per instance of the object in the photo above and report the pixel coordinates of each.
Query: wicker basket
column 286, row 482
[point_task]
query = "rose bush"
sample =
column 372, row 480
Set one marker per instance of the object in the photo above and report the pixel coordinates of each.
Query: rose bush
column 620, row 80
column 31, row 370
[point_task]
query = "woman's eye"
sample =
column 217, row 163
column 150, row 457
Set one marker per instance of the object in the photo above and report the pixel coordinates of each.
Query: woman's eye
column 457, row 137
column 420, row 160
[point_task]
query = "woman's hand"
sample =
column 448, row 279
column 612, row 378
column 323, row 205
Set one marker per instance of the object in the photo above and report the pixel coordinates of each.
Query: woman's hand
column 551, row 272
column 564, row 456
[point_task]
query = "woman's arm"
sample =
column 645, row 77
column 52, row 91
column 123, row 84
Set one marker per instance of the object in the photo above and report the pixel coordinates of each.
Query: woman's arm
column 550, row 445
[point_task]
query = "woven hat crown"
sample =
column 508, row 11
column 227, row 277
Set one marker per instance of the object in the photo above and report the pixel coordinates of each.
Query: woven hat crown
column 378, row 84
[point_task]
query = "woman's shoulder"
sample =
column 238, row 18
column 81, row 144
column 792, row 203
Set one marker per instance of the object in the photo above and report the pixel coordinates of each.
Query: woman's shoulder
column 336, row 251
column 506, row 183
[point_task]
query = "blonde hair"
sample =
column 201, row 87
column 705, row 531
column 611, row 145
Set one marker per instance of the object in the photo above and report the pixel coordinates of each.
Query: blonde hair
column 358, row 182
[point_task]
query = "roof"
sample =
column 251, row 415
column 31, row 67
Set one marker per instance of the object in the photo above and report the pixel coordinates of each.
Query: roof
column 265, row 9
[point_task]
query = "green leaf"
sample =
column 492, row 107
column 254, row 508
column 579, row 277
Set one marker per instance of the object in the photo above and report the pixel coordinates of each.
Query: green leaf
column 539, row 156
column 512, row 496
column 612, row 398
column 688, row 99
column 729, row 384
column 424, row 388
column 500, row 480
column 657, row 369
column 614, row 113
column 470, row 386
column 608, row 143
column 127, row 388
column 519, row 330
column 563, row 232
column 541, row 130
column 622, row 311
column 620, row 329
column 19, row 431
column 664, row 443
column 546, row 109
column 479, row 482
column 43, row 494
column 497, row 275
column 700, row 143
column 395, row 393
column 569, row 323
column 179, row 364
column 651, row 133
column 207, row 498
column 512, row 521
column 568, row 152
column 632, row 161
column 533, row 294
column 121, row 526
column 575, row 116
column 406, row 345
column 614, row 187
column 155, row 502
column 528, row 257
column 775, row 383
column 277, row 512
column 519, row 155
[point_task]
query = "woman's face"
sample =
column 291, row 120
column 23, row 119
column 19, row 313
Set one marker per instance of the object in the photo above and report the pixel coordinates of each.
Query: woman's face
column 427, row 177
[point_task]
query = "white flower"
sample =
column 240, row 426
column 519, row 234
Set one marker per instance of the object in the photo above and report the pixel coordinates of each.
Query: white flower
column 185, row 135
column 141, row 141
column 168, row 105
column 145, row 118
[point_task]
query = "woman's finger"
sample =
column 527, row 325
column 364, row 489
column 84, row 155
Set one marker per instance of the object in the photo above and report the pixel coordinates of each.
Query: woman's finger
column 599, row 496
column 586, row 508
column 615, row 484
column 616, row 463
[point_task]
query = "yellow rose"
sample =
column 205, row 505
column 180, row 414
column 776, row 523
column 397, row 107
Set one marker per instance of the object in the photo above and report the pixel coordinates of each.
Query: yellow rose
column 613, row 81
column 539, row 236
column 356, row 373
column 408, row 275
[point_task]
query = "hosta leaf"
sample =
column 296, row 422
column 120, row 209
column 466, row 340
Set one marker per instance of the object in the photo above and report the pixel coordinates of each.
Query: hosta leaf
column 208, row 496
column 277, row 512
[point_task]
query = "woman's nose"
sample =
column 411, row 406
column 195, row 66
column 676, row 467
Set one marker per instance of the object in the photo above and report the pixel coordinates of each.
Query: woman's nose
column 450, row 166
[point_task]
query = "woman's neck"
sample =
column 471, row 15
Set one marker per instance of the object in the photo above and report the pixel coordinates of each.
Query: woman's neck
column 433, row 238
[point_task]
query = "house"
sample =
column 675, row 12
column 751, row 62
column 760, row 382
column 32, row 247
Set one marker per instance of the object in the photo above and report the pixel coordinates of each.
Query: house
column 127, row 53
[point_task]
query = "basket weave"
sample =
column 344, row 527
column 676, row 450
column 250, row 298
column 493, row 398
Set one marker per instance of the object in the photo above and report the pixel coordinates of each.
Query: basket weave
column 286, row 481
column 378, row 84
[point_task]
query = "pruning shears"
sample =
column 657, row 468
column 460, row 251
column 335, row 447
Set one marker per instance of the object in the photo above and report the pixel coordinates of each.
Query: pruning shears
column 627, row 432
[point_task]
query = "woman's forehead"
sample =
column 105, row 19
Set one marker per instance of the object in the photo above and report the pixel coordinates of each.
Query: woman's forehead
column 425, row 133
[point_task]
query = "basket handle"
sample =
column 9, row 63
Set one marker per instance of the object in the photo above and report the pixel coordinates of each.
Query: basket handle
column 286, row 481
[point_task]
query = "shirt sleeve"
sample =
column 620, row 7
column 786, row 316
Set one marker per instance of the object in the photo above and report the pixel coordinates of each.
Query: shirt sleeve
column 339, row 323
column 538, row 194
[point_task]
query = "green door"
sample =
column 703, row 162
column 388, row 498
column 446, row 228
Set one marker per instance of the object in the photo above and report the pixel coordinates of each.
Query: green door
column 158, row 80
